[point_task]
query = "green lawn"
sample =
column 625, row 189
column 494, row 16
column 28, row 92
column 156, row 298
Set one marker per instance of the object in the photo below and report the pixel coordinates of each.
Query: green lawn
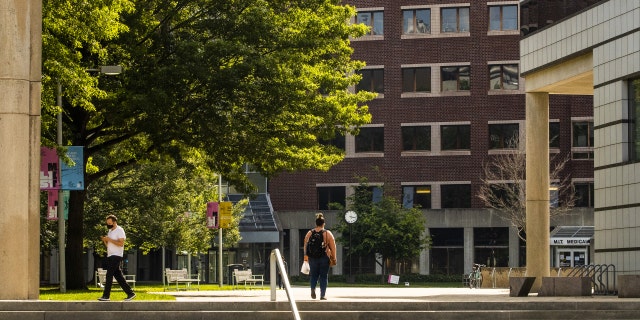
column 144, row 292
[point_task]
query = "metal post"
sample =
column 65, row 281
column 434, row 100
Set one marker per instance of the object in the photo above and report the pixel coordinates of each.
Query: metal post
column 61, row 225
column 350, row 260
column 220, row 232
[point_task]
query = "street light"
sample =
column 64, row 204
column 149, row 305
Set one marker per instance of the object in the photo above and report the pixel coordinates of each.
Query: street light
column 108, row 70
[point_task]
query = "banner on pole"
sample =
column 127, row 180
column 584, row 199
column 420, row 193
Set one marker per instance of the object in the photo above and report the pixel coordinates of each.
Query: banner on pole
column 49, row 169
column 212, row 215
column 72, row 176
column 225, row 214
column 52, row 205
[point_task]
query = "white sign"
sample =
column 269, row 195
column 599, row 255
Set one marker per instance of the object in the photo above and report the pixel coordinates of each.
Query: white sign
column 570, row 241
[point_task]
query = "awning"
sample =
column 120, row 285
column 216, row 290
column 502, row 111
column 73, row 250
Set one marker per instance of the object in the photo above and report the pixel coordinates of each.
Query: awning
column 572, row 236
column 258, row 223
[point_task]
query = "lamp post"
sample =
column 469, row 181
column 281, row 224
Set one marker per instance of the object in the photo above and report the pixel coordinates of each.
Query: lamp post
column 108, row 70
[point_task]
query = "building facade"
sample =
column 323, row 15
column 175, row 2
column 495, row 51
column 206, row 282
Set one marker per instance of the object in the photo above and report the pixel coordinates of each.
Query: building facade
column 597, row 51
column 450, row 98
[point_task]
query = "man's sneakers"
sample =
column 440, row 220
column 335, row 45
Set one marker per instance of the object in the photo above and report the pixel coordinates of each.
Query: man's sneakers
column 130, row 297
column 313, row 294
column 103, row 299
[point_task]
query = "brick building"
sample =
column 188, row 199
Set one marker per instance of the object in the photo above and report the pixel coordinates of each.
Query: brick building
column 449, row 99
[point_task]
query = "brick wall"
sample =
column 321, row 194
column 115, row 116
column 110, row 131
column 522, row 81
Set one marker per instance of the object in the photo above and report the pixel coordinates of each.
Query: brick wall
column 297, row 191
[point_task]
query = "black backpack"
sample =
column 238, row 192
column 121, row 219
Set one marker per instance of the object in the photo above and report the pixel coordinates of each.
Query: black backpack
column 315, row 245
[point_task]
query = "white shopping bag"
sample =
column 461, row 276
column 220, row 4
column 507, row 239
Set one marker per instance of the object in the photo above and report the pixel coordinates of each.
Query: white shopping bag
column 305, row 267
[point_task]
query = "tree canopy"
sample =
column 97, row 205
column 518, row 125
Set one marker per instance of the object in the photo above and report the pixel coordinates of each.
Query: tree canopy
column 383, row 227
column 241, row 81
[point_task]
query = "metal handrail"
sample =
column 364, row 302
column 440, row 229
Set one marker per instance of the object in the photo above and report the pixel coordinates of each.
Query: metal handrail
column 276, row 259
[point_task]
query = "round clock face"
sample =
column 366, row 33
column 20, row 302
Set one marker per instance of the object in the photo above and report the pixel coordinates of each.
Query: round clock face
column 350, row 217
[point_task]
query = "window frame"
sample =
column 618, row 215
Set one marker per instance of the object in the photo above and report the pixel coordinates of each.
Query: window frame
column 458, row 28
column 578, row 152
column 502, row 77
column 459, row 137
column 370, row 140
column 503, row 141
column 331, row 190
column 458, row 77
column 373, row 20
column 375, row 73
column 466, row 202
column 634, row 119
column 424, row 196
column 415, row 78
column 502, row 17
column 415, row 137
column 414, row 21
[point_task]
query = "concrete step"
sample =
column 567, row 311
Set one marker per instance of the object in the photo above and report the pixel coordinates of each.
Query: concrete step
column 583, row 309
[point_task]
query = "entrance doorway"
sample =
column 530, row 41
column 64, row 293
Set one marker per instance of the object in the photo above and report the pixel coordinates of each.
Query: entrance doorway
column 568, row 258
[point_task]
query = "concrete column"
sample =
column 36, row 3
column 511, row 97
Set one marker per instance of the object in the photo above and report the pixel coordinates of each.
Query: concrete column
column 294, row 262
column 537, row 185
column 514, row 247
column 468, row 250
column 425, row 263
column 337, row 269
column 20, row 76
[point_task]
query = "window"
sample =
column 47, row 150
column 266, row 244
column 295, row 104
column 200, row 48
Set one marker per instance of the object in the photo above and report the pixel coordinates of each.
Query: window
column 373, row 19
column 504, row 194
column 372, row 80
column 338, row 141
column 634, row 123
column 416, row 138
column 584, row 194
column 327, row 195
column 504, row 136
column 416, row 196
column 416, row 79
column 416, row 21
column 370, row 139
column 376, row 192
column 456, row 78
column 554, row 135
column 502, row 18
column 455, row 137
column 455, row 195
column 455, row 20
column 503, row 77
column 582, row 140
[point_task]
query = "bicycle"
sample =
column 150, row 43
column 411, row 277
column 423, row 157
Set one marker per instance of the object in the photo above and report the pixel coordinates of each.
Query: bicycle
column 475, row 277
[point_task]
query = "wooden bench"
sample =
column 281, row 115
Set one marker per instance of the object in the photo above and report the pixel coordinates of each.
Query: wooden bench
column 178, row 277
column 101, row 278
column 246, row 277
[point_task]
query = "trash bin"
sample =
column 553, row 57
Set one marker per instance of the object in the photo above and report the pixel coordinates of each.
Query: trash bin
column 230, row 269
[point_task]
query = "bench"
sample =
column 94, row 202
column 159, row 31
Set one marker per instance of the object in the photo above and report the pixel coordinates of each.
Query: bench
column 565, row 287
column 101, row 278
column 178, row 277
column 246, row 277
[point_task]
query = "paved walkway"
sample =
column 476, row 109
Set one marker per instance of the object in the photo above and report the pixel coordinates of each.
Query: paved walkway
column 388, row 294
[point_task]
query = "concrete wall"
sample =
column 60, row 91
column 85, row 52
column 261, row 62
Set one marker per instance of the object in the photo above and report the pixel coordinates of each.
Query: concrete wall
column 20, row 73
column 608, row 35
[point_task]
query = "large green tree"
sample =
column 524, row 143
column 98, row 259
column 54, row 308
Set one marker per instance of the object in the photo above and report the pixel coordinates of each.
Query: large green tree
column 383, row 227
column 243, row 81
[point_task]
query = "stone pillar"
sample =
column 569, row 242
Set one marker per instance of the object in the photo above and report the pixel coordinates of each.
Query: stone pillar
column 337, row 269
column 20, row 61
column 20, row 76
column 295, row 260
column 425, row 262
column 537, row 186
column 514, row 247
column 468, row 250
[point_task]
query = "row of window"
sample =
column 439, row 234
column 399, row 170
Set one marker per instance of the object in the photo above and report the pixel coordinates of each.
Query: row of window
column 452, row 78
column 454, row 137
column 449, row 196
column 418, row 21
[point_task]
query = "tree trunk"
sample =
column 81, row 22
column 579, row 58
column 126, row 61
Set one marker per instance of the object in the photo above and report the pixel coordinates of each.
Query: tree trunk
column 75, row 246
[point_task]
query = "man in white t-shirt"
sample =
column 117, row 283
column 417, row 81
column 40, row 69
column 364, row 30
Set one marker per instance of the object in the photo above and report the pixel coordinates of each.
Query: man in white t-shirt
column 114, row 240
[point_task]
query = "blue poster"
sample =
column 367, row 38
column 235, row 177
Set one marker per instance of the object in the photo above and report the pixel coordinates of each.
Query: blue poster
column 72, row 175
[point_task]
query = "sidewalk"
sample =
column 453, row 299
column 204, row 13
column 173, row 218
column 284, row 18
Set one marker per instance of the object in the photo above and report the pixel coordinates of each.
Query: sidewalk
column 367, row 294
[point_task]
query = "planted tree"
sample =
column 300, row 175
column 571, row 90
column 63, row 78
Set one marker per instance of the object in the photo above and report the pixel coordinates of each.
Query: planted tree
column 241, row 81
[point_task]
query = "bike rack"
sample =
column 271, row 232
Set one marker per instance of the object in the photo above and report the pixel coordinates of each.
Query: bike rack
column 596, row 273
